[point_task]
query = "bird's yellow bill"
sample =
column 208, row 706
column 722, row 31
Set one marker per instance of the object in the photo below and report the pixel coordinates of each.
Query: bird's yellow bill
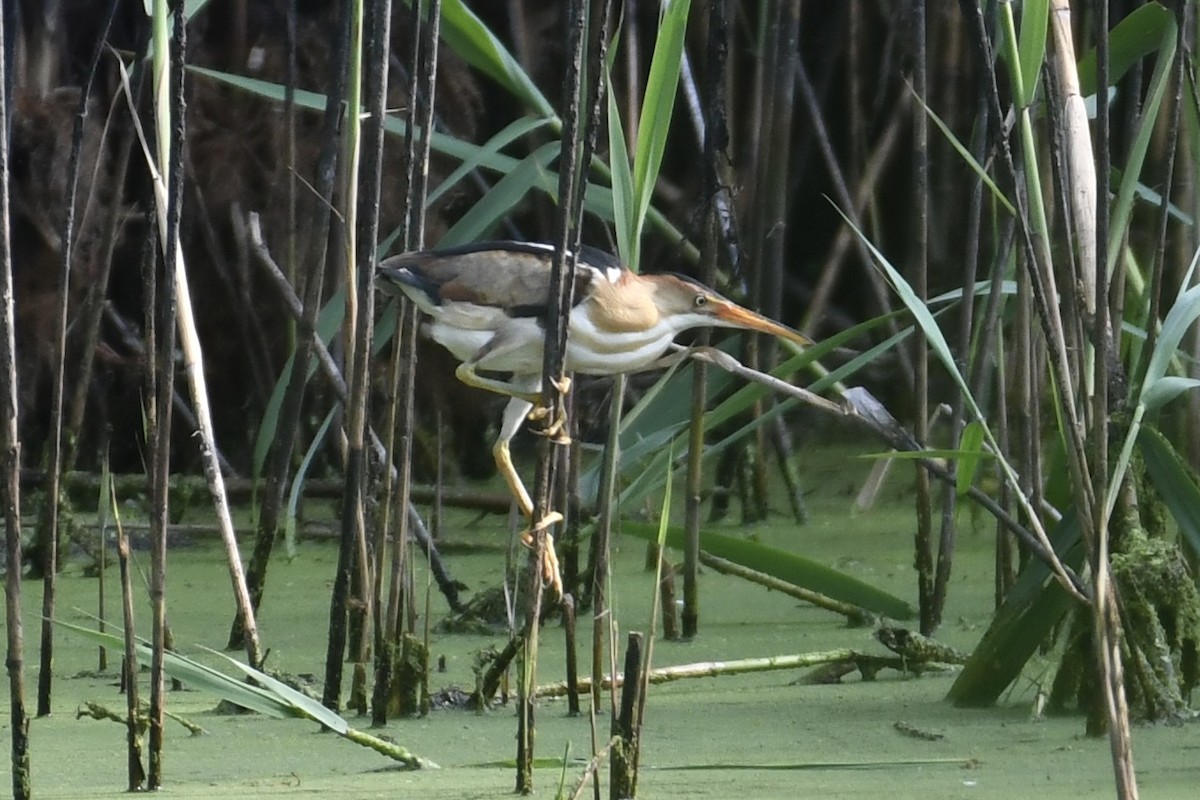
column 735, row 315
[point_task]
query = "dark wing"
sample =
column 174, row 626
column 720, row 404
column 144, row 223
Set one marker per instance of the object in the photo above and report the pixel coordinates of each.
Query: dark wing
column 514, row 276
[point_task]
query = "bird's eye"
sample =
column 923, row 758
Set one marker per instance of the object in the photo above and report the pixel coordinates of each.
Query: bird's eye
column 700, row 301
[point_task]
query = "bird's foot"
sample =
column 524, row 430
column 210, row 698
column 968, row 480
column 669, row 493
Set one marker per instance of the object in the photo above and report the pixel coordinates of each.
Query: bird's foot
column 557, row 428
column 551, row 577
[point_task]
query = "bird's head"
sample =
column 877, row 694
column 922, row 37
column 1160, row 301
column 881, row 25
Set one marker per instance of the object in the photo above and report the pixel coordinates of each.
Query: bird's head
column 690, row 304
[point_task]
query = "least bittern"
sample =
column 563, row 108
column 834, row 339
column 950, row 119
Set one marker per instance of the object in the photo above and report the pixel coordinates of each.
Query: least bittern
column 487, row 304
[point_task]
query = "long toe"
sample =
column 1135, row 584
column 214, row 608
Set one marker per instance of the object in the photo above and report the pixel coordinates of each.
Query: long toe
column 551, row 575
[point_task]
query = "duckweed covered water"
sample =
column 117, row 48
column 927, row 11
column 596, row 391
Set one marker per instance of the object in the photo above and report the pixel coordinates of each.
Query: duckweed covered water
column 751, row 736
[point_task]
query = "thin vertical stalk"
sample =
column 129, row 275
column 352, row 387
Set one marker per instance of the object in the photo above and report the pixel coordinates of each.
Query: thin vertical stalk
column 601, row 539
column 975, row 213
column 929, row 613
column 562, row 285
column 623, row 783
column 150, row 291
column 1106, row 605
column 102, row 555
column 353, row 512
column 289, row 147
column 404, row 347
column 10, row 452
column 400, row 425
column 422, row 90
column 49, row 529
column 351, row 544
column 377, row 58
column 633, row 72
column 716, row 134
column 1155, row 288
column 775, row 112
column 168, row 82
column 419, row 188
column 777, row 437
column 378, row 26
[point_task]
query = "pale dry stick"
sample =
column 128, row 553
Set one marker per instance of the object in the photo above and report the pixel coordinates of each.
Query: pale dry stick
column 713, row 669
column 193, row 364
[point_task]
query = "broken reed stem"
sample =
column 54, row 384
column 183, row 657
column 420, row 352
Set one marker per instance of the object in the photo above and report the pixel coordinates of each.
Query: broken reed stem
column 712, row 669
column 129, row 660
column 623, row 781
column 389, row 749
column 490, row 683
column 99, row 712
column 855, row 615
column 569, row 628
column 670, row 613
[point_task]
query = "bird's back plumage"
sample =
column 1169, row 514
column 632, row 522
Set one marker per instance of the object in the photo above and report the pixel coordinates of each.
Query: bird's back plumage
column 513, row 276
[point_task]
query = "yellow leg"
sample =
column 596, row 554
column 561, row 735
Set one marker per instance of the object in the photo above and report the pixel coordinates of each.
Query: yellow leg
column 550, row 570
column 504, row 463
column 514, row 416
column 518, row 389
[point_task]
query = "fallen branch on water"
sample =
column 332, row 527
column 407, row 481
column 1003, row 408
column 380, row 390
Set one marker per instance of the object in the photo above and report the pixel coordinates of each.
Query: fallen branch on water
column 855, row 615
column 102, row 712
column 866, row 663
